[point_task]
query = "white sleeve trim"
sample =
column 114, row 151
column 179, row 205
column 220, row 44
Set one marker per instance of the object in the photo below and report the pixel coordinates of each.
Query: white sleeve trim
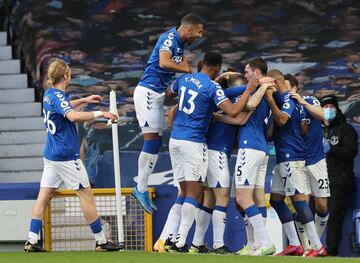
column 171, row 88
column 67, row 111
column 287, row 114
column 222, row 101
column 165, row 49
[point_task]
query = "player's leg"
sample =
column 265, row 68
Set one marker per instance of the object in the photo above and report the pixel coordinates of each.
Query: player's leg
column 298, row 184
column 202, row 221
column 44, row 197
column 218, row 179
column 177, row 162
column 277, row 198
column 248, row 248
column 171, row 227
column 74, row 177
column 222, row 196
column 247, row 170
column 259, row 191
column 188, row 212
column 149, row 107
column 89, row 209
column 319, row 183
column 50, row 181
column 195, row 166
column 322, row 214
column 301, row 232
column 304, row 240
column 238, row 180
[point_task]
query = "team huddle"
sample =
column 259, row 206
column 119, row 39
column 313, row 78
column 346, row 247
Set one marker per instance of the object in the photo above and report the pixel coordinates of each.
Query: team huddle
column 215, row 112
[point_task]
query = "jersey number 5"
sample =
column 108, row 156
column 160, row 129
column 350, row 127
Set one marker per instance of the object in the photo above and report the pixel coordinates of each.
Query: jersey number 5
column 193, row 95
column 49, row 124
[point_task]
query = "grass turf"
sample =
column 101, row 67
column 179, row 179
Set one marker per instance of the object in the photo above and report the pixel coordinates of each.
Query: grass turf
column 143, row 257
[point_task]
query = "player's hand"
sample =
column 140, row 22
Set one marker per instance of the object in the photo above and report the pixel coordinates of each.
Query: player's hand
column 297, row 96
column 268, row 85
column 269, row 94
column 266, row 80
column 110, row 116
column 93, row 99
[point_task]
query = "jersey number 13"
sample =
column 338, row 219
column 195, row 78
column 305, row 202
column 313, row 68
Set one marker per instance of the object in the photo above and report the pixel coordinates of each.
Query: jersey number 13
column 190, row 101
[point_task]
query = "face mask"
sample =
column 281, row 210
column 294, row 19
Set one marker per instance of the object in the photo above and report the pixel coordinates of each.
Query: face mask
column 329, row 114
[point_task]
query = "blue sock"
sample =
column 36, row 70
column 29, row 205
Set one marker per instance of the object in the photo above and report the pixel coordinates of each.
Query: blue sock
column 221, row 208
column 324, row 214
column 282, row 210
column 206, row 209
column 304, row 214
column 152, row 146
column 192, row 201
column 35, row 226
column 252, row 211
column 96, row 226
column 263, row 211
column 179, row 200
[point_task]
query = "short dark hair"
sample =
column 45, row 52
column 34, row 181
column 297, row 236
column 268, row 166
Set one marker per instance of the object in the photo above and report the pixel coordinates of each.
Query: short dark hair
column 258, row 63
column 212, row 59
column 293, row 81
column 192, row 19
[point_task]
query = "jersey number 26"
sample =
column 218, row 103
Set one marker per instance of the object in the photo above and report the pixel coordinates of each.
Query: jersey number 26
column 49, row 124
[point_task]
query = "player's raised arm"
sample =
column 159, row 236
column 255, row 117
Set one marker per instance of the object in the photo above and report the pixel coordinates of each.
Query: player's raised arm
column 279, row 116
column 255, row 99
column 240, row 119
column 314, row 109
column 78, row 116
column 172, row 90
column 233, row 109
column 88, row 99
column 166, row 62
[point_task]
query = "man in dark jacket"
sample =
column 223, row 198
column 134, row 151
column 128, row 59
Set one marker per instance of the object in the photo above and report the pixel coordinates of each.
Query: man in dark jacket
column 342, row 145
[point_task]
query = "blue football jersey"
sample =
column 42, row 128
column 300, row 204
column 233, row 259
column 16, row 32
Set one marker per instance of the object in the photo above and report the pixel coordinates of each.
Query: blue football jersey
column 253, row 133
column 289, row 144
column 198, row 98
column 154, row 77
column 313, row 140
column 62, row 140
column 235, row 92
column 221, row 136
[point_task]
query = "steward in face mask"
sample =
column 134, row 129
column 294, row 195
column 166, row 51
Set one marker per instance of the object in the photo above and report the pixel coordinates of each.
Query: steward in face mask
column 341, row 140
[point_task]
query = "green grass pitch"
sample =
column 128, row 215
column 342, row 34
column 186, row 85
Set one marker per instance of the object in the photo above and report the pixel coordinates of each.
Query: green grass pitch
column 143, row 257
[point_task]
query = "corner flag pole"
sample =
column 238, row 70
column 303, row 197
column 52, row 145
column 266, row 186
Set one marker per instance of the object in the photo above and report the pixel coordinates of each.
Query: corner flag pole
column 118, row 199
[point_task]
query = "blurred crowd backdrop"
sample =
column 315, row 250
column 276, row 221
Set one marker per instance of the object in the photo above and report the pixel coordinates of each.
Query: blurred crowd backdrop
column 107, row 43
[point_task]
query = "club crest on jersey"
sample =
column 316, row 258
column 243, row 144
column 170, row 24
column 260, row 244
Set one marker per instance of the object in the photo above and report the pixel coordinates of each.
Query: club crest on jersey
column 286, row 105
column 177, row 59
column 334, row 140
